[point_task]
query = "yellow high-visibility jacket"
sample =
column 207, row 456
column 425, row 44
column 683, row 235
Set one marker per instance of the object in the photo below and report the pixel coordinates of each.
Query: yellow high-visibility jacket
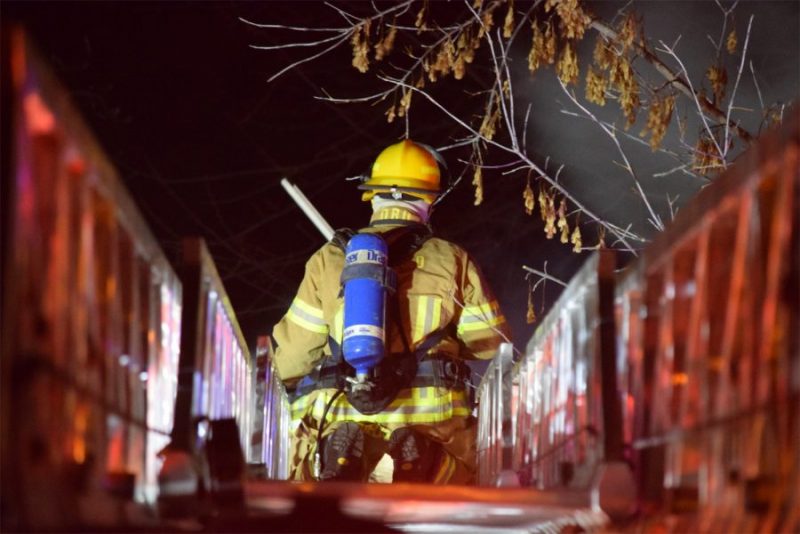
column 439, row 286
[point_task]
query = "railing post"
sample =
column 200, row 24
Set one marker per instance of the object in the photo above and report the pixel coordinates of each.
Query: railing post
column 612, row 410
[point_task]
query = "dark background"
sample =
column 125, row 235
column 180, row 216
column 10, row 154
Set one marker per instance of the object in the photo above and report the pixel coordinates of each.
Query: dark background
column 180, row 101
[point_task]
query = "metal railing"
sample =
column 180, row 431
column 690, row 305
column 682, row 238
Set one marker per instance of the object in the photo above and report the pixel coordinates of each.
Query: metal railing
column 273, row 429
column 709, row 352
column 91, row 315
column 548, row 410
column 684, row 366
column 216, row 377
column 494, row 396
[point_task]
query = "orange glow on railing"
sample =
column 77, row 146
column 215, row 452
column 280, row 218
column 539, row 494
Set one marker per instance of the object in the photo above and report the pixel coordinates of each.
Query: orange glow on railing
column 18, row 60
column 680, row 379
column 111, row 287
column 79, row 425
column 38, row 117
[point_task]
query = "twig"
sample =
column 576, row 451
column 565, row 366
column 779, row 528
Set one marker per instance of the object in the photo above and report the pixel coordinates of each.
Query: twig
column 307, row 59
column 297, row 45
column 736, row 85
column 655, row 220
column 498, row 78
column 544, row 274
column 697, row 99
column 290, row 28
column 639, row 140
column 726, row 13
column 671, row 202
column 758, row 89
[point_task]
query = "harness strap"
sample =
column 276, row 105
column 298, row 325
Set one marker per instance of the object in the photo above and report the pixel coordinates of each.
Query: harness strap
column 433, row 370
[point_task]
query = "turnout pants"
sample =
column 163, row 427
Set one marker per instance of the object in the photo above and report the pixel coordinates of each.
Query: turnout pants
column 454, row 438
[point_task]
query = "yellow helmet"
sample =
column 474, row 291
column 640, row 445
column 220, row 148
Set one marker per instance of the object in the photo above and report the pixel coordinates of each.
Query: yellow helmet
column 404, row 168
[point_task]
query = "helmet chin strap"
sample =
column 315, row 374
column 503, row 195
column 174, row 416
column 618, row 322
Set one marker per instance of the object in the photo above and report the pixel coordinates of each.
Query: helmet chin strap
column 420, row 208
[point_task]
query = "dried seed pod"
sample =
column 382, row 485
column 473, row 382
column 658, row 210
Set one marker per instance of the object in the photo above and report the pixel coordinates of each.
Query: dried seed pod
column 390, row 114
column 562, row 213
column 360, row 44
column 420, row 21
column 542, row 204
column 488, row 19
column 530, row 315
column 537, row 49
column 731, row 42
column 575, row 239
column 706, row 156
column 622, row 77
column 574, row 20
column 627, row 31
column 444, row 61
column 543, row 47
column 477, row 181
column 658, row 118
column 596, row 85
column 528, row 199
column 718, row 77
column 508, row 22
column 385, row 45
column 567, row 66
column 405, row 103
column 459, row 67
column 604, row 56
column 550, row 44
column 550, row 217
column 490, row 118
column 562, row 221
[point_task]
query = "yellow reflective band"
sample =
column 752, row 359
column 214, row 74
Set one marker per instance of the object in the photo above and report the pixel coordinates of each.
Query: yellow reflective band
column 307, row 317
column 436, row 313
column 480, row 325
column 419, row 322
column 307, row 308
column 437, row 404
column 480, row 317
column 428, row 317
column 446, row 470
column 488, row 309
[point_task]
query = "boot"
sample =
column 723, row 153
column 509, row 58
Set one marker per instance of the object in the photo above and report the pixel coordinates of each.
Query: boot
column 342, row 453
column 414, row 455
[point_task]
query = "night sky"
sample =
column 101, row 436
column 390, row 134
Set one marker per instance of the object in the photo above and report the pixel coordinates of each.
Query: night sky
column 181, row 103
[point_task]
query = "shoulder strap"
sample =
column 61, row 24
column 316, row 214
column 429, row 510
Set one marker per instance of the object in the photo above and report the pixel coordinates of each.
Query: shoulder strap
column 403, row 242
column 341, row 237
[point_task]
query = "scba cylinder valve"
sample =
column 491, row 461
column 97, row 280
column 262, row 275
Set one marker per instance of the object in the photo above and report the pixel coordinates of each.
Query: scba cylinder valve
column 366, row 278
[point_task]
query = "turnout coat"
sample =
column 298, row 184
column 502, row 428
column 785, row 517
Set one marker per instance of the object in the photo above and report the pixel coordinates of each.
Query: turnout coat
column 442, row 296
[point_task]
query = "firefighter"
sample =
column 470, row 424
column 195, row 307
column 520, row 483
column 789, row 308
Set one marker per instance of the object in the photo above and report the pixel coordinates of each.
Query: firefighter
column 439, row 313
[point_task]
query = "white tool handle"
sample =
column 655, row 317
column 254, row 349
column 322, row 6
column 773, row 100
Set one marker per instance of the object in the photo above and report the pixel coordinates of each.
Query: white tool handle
column 308, row 208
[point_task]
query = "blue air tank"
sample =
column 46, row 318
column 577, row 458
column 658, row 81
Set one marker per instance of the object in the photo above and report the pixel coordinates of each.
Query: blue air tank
column 363, row 278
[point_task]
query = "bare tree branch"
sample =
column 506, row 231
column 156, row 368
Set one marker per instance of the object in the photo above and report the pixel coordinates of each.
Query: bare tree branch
column 681, row 82
column 736, row 85
column 655, row 220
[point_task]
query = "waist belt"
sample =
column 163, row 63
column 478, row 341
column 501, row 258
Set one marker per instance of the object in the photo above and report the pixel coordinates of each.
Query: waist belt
column 434, row 370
